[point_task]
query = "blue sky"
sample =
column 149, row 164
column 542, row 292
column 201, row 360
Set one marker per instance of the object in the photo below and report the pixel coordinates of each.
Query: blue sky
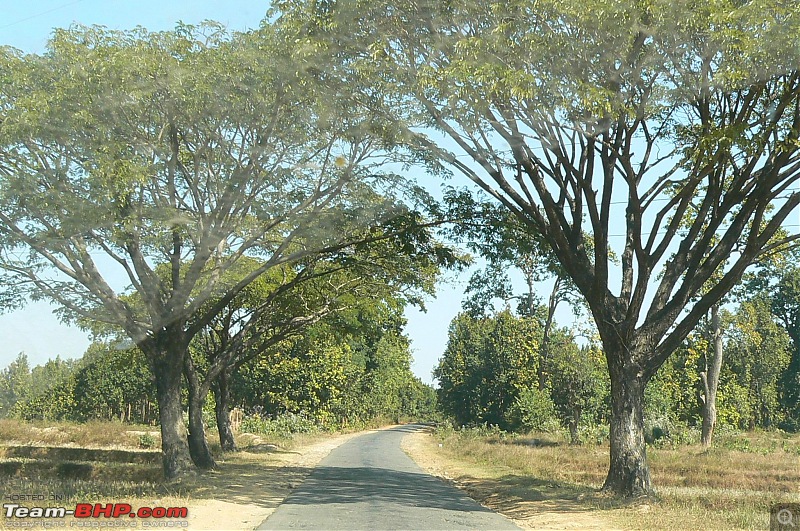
column 27, row 26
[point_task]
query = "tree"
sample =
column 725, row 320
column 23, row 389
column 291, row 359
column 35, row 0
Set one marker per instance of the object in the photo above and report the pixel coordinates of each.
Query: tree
column 113, row 383
column 578, row 384
column 758, row 354
column 599, row 119
column 418, row 400
column 15, row 382
column 352, row 365
column 507, row 245
column 488, row 362
column 577, row 114
column 193, row 148
column 50, row 392
column 779, row 279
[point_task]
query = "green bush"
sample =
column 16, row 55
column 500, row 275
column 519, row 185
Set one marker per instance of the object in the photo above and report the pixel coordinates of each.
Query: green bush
column 592, row 433
column 281, row 425
column 663, row 431
column 147, row 441
column 533, row 410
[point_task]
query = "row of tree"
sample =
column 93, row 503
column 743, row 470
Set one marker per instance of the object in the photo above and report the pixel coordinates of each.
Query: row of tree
column 651, row 146
column 341, row 372
column 488, row 374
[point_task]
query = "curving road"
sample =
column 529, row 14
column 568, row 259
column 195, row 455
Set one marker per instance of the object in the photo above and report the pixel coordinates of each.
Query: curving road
column 369, row 483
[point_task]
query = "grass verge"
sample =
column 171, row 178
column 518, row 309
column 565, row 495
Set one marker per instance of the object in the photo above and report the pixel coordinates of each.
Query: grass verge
column 543, row 482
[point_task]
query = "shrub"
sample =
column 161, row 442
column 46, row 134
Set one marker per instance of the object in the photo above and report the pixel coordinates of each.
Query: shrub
column 592, row 433
column 147, row 441
column 534, row 411
column 281, row 425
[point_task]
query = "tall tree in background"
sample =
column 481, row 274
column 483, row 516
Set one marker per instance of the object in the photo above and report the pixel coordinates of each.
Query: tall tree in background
column 352, row 365
column 15, row 383
column 508, row 246
column 757, row 355
column 781, row 280
column 599, row 119
column 123, row 151
column 489, row 361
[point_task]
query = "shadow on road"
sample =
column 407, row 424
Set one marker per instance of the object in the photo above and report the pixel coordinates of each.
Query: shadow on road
column 250, row 483
column 328, row 485
column 409, row 428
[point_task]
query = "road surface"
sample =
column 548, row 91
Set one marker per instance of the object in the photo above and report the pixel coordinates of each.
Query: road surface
column 369, row 483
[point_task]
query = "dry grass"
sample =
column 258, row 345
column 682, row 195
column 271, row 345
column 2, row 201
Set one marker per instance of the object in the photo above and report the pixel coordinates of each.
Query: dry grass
column 728, row 487
column 87, row 435
column 103, row 461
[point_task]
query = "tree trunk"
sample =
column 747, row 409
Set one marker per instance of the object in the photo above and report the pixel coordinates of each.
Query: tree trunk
column 574, row 421
column 198, row 444
column 222, row 396
column 176, row 460
column 628, row 473
column 544, row 349
column 710, row 381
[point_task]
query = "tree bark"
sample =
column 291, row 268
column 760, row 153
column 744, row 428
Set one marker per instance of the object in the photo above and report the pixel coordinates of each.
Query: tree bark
column 628, row 474
column 198, row 444
column 222, row 395
column 574, row 421
column 544, row 350
column 176, row 460
column 710, row 381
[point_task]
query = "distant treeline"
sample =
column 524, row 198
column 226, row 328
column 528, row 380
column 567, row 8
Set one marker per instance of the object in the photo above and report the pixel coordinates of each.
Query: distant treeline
column 336, row 374
column 490, row 371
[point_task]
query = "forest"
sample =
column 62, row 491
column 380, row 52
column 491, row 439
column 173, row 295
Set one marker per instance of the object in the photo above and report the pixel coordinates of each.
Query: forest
column 240, row 219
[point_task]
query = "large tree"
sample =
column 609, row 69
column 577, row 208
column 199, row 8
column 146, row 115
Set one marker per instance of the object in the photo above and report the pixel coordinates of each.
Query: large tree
column 121, row 152
column 488, row 363
column 612, row 119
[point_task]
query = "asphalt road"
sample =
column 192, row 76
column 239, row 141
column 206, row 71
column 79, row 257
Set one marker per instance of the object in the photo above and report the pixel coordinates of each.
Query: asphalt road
column 369, row 483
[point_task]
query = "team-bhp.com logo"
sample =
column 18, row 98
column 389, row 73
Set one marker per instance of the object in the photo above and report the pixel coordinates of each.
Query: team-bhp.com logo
column 96, row 510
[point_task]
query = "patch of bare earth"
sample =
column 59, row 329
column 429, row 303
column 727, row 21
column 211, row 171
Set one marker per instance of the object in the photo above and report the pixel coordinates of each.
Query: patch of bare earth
column 249, row 485
column 542, row 505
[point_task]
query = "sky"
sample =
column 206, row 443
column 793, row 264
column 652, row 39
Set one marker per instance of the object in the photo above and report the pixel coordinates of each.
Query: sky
column 27, row 26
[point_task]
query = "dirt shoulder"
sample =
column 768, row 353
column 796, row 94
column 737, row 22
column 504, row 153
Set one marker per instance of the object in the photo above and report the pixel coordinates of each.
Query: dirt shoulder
column 249, row 485
column 541, row 506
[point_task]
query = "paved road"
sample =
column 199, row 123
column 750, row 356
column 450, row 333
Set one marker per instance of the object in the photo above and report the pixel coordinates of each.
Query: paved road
column 369, row 483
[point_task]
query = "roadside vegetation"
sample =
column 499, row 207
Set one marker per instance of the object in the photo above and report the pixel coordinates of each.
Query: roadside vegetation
column 495, row 371
column 344, row 373
column 64, row 463
column 528, row 407
column 88, row 428
column 535, row 476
